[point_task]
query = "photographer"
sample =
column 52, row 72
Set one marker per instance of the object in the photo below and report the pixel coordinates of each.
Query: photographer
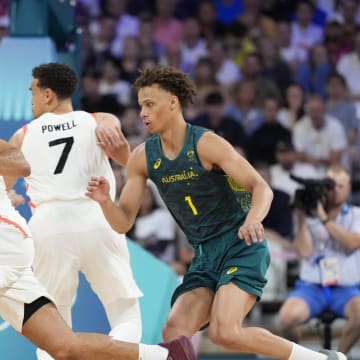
column 327, row 240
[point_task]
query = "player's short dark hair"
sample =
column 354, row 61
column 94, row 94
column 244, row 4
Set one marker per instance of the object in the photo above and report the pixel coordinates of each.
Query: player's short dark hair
column 58, row 77
column 169, row 79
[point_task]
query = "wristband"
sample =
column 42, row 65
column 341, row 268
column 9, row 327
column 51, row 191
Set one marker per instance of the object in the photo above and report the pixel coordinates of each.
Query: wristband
column 325, row 221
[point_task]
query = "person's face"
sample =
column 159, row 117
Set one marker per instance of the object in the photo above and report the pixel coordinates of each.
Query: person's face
column 316, row 111
column 335, row 88
column 342, row 189
column 286, row 158
column 283, row 33
column 270, row 110
column 319, row 54
column 252, row 66
column 246, row 93
column 304, row 14
column 39, row 99
column 294, row 96
column 157, row 107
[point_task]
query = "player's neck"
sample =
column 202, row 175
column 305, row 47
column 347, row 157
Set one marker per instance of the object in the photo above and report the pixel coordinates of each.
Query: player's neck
column 62, row 107
column 173, row 139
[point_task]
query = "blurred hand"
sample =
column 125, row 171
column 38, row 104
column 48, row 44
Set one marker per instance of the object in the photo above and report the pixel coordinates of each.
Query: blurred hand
column 98, row 189
column 15, row 198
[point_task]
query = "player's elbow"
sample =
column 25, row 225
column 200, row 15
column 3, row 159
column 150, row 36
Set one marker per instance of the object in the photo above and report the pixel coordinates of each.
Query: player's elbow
column 25, row 169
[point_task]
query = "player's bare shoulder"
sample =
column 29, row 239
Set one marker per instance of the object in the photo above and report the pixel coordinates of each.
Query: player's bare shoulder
column 211, row 148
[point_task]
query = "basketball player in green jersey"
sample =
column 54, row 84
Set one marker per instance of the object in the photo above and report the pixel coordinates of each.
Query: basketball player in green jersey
column 196, row 172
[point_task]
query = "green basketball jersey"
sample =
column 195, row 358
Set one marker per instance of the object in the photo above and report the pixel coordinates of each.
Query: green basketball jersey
column 204, row 203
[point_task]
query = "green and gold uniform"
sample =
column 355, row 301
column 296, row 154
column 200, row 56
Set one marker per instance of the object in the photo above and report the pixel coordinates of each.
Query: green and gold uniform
column 209, row 207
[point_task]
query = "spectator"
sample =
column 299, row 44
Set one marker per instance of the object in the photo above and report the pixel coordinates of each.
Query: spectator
column 237, row 43
column 335, row 41
column 205, row 82
column 349, row 67
column 274, row 68
column 168, row 29
column 214, row 118
column 311, row 75
column 289, row 52
column 92, row 101
column 328, row 244
column 293, row 109
column 149, row 46
column 348, row 12
column 264, row 87
column 344, row 110
column 210, row 27
column 227, row 72
column 242, row 106
column 126, row 24
column 286, row 165
column 228, row 10
column 262, row 143
column 258, row 24
column 193, row 47
column 319, row 138
column 130, row 59
column 304, row 33
column 112, row 84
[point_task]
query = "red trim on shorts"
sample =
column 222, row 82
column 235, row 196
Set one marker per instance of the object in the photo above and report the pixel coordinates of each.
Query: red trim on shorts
column 15, row 224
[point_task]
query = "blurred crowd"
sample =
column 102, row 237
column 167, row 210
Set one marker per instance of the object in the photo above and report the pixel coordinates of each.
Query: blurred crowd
column 279, row 79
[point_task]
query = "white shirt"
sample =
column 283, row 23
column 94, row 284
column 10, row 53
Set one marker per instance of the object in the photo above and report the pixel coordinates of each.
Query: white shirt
column 319, row 143
column 306, row 38
column 59, row 146
column 349, row 67
column 280, row 178
column 325, row 245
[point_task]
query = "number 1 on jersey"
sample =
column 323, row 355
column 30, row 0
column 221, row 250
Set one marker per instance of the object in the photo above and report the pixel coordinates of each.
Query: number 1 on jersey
column 191, row 204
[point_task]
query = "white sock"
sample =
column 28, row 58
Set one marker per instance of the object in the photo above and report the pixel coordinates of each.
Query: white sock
column 300, row 353
column 152, row 352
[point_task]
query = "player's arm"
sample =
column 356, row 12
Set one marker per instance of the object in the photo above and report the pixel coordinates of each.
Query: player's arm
column 12, row 161
column 121, row 216
column 216, row 152
column 16, row 141
column 110, row 137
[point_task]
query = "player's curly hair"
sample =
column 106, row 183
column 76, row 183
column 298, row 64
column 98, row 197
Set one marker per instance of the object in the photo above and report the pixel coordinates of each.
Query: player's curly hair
column 170, row 79
column 58, row 77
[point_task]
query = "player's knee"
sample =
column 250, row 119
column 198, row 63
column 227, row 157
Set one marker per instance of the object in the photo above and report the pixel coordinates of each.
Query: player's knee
column 227, row 336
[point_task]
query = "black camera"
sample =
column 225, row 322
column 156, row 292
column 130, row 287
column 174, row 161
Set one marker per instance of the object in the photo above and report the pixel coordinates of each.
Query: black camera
column 313, row 190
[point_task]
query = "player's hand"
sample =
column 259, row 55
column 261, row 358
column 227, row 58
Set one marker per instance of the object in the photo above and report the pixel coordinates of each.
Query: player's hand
column 251, row 232
column 114, row 143
column 98, row 189
column 15, row 198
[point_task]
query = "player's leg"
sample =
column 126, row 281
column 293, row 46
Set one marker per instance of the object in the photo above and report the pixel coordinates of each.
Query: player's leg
column 56, row 267
column 226, row 330
column 346, row 303
column 56, row 260
column 110, row 276
column 46, row 329
column 189, row 313
column 125, row 319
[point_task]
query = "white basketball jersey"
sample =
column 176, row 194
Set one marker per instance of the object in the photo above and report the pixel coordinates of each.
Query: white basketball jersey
column 63, row 154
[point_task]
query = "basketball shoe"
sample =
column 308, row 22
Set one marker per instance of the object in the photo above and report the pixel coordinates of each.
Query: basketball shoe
column 334, row 355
